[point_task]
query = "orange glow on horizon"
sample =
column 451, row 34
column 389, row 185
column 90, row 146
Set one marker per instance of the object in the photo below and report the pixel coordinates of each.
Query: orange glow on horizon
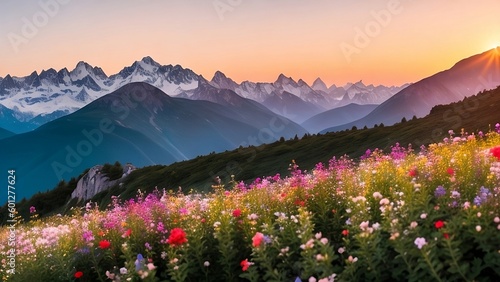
column 255, row 40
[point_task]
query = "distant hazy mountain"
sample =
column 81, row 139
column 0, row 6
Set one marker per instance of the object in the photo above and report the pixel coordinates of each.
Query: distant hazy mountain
column 337, row 116
column 465, row 78
column 140, row 124
column 299, row 101
column 40, row 98
column 291, row 106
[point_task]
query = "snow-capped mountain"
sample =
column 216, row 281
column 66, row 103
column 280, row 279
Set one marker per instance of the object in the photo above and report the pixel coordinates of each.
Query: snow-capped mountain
column 318, row 97
column 39, row 98
column 43, row 97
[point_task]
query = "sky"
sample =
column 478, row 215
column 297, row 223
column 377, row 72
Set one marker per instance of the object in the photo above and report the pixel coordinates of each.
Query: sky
column 388, row 42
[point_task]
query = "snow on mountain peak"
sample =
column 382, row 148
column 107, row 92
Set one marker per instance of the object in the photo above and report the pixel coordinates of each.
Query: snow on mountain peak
column 148, row 60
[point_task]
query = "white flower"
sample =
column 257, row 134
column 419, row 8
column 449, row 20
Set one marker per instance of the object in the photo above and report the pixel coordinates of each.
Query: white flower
column 206, row 264
column 123, row 271
column 420, row 242
column 376, row 226
column 364, row 225
column 423, row 216
column 312, row 279
column 478, row 228
column 253, row 216
column 341, row 250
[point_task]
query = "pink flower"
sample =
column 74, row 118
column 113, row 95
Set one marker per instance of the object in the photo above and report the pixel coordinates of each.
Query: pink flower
column 127, row 233
column 257, row 239
column 420, row 242
column 245, row 264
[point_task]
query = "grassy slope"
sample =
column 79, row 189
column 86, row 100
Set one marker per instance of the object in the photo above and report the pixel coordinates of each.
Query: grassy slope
column 474, row 113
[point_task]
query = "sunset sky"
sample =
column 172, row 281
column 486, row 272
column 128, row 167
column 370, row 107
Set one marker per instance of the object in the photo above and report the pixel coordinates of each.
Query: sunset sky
column 387, row 42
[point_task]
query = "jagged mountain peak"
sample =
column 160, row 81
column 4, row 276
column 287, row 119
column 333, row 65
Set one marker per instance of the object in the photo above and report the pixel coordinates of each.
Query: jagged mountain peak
column 302, row 83
column 83, row 69
column 319, row 84
column 148, row 60
column 220, row 80
column 218, row 75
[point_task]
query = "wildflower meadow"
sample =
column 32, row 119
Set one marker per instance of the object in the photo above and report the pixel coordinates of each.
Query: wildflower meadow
column 407, row 214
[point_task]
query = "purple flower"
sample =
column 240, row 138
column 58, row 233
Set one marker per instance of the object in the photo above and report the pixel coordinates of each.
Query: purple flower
column 440, row 191
column 139, row 262
column 366, row 155
column 32, row 209
column 455, row 194
column 88, row 236
column 397, row 152
column 482, row 196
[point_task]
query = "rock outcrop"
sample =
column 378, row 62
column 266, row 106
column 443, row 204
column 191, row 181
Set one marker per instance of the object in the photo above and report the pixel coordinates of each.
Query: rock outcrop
column 95, row 181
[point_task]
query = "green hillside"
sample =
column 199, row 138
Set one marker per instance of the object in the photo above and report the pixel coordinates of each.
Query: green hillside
column 474, row 114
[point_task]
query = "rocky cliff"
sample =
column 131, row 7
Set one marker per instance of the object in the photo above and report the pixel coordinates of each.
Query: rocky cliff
column 96, row 181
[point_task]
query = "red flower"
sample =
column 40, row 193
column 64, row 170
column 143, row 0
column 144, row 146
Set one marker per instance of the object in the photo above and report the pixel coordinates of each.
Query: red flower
column 496, row 152
column 450, row 171
column 257, row 239
column 446, row 235
column 237, row 213
column 299, row 202
column 177, row 237
column 245, row 264
column 345, row 232
column 78, row 274
column 127, row 233
column 413, row 172
column 439, row 224
column 104, row 244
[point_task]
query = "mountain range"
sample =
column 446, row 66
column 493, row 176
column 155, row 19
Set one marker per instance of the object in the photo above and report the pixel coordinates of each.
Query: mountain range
column 467, row 77
column 39, row 98
column 67, row 121
column 138, row 123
